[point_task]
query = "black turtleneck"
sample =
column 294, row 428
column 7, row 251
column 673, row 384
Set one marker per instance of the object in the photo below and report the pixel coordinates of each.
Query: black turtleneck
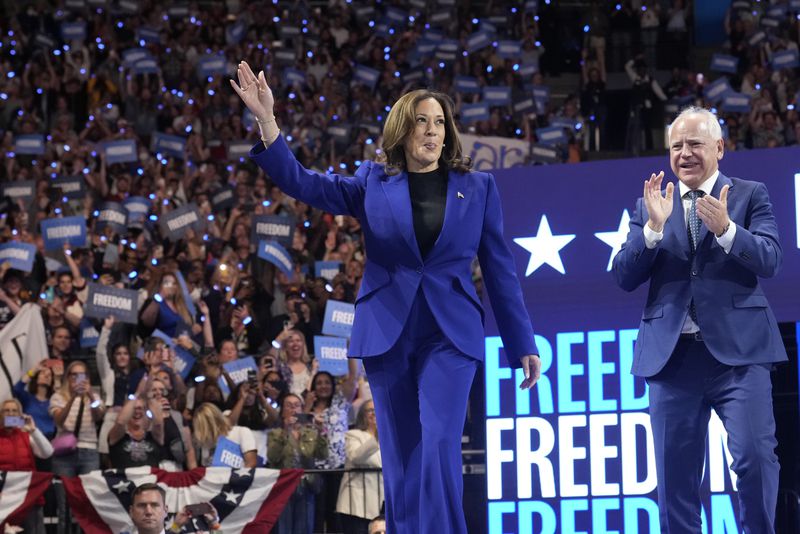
column 428, row 194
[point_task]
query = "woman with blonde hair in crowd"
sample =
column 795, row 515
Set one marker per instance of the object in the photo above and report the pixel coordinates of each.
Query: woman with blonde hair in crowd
column 294, row 362
column 361, row 492
column 210, row 425
column 75, row 411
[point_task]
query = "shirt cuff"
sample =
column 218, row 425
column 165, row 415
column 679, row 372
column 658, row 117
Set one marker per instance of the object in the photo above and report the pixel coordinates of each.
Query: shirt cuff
column 726, row 239
column 651, row 237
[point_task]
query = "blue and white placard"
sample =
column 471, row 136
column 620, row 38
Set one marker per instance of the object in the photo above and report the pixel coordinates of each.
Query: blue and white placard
column 338, row 318
column 331, row 353
column 110, row 301
column 56, row 232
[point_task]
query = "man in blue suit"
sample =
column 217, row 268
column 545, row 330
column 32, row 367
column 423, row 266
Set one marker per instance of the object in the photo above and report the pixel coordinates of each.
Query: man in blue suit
column 418, row 320
column 708, row 338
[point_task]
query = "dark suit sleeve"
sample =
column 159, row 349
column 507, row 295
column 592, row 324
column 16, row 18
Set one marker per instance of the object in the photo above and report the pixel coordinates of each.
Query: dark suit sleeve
column 502, row 284
column 756, row 246
column 633, row 263
column 334, row 193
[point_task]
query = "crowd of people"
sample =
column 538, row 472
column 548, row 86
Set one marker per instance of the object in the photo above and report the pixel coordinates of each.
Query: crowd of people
column 66, row 74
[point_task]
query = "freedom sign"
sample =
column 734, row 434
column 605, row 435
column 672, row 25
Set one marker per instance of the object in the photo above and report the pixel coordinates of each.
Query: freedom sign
column 112, row 215
column 331, row 353
column 70, row 230
column 18, row 255
column 338, row 318
column 175, row 224
column 273, row 228
column 277, row 255
column 105, row 301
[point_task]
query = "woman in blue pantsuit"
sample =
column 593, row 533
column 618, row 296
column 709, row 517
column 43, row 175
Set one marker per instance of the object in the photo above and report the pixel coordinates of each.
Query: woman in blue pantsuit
column 418, row 321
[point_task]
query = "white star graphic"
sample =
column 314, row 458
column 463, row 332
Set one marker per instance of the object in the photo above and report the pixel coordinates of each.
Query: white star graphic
column 121, row 486
column 616, row 238
column 231, row 496
column 544, row 247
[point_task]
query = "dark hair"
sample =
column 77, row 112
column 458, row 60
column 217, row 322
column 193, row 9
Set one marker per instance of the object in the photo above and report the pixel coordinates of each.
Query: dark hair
column 33, row 385
column 114, row 349
column 148, row 486
column 313, row 386
column 152, row 342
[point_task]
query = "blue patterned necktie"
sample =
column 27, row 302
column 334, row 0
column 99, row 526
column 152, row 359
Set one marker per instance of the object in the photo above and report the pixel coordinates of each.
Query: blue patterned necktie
column 693, row 228
column 693, row 221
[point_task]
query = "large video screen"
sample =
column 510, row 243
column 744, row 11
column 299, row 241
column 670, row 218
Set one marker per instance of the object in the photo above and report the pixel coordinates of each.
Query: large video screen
column 575, row 454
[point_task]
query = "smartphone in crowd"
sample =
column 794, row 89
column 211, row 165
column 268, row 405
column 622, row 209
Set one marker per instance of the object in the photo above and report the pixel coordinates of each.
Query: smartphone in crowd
column 13, row 421
column 252, row 378
column 305, row 418
column 198, row 510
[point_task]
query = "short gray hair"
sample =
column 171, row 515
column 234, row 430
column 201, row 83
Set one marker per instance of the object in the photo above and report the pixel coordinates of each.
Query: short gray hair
column 709, row 118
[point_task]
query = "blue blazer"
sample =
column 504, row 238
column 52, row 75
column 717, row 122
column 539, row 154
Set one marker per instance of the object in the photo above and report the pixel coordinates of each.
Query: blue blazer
column 734, row 317
column 395, row 270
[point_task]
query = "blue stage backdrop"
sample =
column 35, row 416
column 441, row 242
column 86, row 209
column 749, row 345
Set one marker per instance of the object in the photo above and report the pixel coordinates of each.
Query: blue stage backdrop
column 575, row 454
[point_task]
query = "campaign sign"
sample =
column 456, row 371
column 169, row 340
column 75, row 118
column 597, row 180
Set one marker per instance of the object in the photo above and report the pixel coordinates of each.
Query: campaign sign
column 132, row 55
column 112, row 215
column 467, row 84
column 148, row 34
column 551, row 135
column 184, row 361
column 756, row 38
column 478, row 41
column 109, row 301
column 211, row 65
column 170, row 145
column 237, row 371
column 474, row 112
column 524, row 105
column 68, row 186
column 509, row 49
column 294, row 76
column 88, row 334
column 366, row 76
column 235, row 32
column 564, row 122
column 736, row 103
column 21, row 190
column 724, row 63
column 32, row 144
column 396, row 15
column 146, row 66
column 175, row 223
column 786, row 59
column 73, row 31
column 544, row 154
column 238, row 149
column 56, row 232
column 331, row 353
column 273, row 228
column 338, row 318
column 223, row 198
column 717, row 90
column 18, row 255
column 497, row 95
column 227, row 454
column 276, row 255
column 137, row 208
column 528, row 68
column 327, row 269
column 123, row 151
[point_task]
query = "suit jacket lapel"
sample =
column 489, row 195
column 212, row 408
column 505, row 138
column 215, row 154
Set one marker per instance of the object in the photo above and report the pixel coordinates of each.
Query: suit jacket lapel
column 454, row 209
column 722, row 180
column 677, row 222
column 396, row 190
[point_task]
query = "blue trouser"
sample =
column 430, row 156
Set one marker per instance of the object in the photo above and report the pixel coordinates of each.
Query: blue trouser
column 420, row 388
column 682, row 396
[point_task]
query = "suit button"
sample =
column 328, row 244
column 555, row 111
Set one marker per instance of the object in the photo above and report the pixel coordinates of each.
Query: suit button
column 419, row 270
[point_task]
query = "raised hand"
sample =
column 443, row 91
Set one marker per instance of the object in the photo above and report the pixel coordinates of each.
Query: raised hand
column 659, row 206
column 714, row 212
column 254, row 92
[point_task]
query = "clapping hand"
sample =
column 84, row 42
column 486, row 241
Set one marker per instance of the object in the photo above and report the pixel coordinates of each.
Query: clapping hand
column 659, row 206
column 714, row 212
